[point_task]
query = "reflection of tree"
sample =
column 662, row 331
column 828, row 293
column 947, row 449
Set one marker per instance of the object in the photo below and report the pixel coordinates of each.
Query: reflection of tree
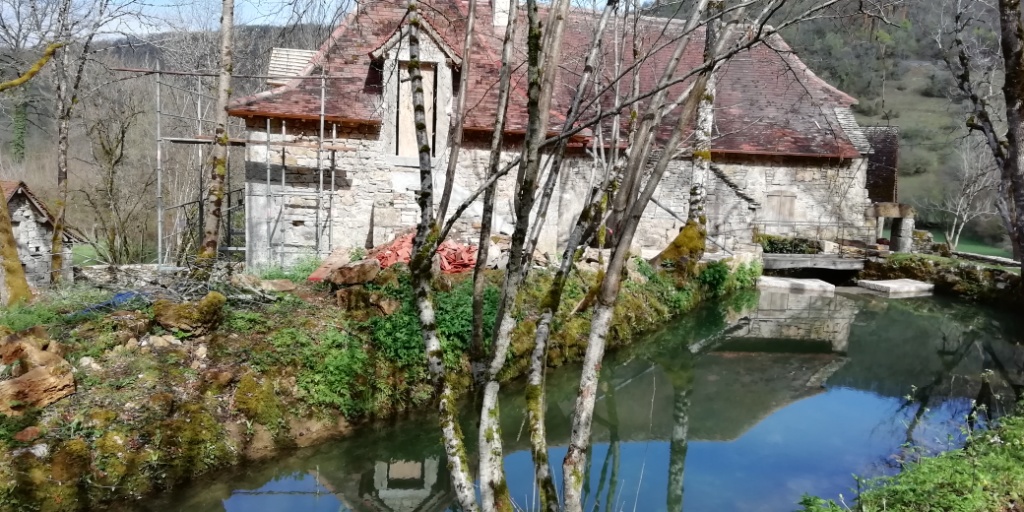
column 682, row 383
column 612, row 457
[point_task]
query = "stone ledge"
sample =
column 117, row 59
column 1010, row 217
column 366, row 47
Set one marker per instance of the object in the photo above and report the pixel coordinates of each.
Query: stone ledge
column 793, row 285
column 899, row 288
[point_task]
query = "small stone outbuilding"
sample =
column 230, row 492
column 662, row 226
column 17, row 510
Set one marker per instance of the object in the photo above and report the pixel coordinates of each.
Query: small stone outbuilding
column 33, row 230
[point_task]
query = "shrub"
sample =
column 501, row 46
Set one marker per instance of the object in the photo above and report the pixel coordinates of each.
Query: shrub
column 714, row 278
column 786, row 245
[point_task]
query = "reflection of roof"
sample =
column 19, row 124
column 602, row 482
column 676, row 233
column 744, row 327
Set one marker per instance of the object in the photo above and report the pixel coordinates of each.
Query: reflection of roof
column 401, row 486
column 735, row 391
column 769, row 101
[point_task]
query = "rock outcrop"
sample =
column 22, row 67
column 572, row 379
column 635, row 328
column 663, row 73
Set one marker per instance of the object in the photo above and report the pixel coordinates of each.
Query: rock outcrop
column 357, row 272
column 40, row 376
column 196, row 318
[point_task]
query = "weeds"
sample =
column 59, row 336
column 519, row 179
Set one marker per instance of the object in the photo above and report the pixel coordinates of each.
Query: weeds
column 60, row 308
column 296, row 273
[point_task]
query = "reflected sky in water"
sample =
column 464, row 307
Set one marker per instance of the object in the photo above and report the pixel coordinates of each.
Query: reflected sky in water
column 792, row 395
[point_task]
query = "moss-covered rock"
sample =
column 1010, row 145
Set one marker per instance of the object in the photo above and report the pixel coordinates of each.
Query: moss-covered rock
column 191, row 443
column 258, row 401
column 196, row 318
column 686, row 249
column 963, row 279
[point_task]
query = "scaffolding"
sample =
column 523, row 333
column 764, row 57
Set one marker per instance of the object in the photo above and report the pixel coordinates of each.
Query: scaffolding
column 177, row 242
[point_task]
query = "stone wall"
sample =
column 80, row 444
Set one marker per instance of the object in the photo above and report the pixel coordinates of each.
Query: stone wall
column 34, row 235
column 370, row 196
column 829, row 199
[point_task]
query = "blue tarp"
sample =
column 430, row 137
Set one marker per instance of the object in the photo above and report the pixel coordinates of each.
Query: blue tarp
column 116, row 301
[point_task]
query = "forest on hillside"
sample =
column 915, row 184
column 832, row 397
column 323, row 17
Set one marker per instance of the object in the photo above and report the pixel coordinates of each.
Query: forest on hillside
column 893, row 66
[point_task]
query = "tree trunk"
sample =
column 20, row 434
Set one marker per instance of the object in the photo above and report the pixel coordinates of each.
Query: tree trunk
column 493, row 489
column 504, row 81
column 57, row 241
column 574, row 464
column 15, row 287
column 219, row 155
column 1012, row 42
column 420, row 267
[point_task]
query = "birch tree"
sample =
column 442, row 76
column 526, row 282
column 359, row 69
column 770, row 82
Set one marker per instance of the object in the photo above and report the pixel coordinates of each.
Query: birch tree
column 219, row 155
column 628, row 183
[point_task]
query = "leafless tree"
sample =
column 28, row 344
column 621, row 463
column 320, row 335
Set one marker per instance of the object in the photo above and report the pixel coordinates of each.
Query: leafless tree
column 991, row 76
column 969, row 192
column 629, row 182
column 122, row 181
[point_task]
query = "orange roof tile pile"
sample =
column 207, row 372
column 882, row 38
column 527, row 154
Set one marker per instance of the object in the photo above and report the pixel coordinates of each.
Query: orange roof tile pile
column 455, row 257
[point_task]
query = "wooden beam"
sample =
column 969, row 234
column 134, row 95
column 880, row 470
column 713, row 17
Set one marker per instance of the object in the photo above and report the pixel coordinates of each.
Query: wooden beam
column 208, row 139
column 825, row 261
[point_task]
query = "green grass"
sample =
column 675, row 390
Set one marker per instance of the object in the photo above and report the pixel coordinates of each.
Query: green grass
column 986, row 476
column 297, row 273
column 83, row 254
column 974, row 246
column 52, row 308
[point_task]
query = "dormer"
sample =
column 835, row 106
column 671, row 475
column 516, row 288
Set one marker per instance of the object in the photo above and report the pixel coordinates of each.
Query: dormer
column 286, row 63
column 438, row 62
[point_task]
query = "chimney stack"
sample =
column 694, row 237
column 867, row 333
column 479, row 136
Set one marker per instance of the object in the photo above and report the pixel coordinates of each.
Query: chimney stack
column 501, row 9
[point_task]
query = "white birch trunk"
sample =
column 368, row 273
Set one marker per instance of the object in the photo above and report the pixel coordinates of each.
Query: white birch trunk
column 425, row 243
column 219, row 154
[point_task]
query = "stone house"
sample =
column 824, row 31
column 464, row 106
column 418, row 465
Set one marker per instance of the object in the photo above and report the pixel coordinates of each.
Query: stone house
column 33, row 231
column 331, row 157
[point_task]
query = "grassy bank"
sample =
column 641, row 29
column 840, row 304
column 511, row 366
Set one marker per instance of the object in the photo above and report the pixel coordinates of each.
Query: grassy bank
column 266, row 377
column 986, row 476
column 987, row 284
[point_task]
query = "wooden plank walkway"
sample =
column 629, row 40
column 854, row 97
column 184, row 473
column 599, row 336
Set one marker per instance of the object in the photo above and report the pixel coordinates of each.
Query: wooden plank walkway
column 824, row 261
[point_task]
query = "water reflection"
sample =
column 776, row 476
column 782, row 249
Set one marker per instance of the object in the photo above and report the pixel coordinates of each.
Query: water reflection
column 744, row 405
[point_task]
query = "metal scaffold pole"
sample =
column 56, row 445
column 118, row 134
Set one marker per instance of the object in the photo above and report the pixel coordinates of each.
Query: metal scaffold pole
column 159, row 178
column 319, row 161
column 266, row 198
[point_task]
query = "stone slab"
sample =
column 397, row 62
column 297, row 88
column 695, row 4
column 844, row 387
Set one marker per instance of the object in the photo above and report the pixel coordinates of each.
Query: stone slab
column 793, row 285
column 899, row 288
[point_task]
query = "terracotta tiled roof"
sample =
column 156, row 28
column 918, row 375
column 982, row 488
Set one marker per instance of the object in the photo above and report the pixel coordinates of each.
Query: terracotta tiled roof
column 9, row 188
column 768, row 101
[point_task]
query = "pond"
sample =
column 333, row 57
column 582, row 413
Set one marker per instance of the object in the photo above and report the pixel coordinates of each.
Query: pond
column 743, row 405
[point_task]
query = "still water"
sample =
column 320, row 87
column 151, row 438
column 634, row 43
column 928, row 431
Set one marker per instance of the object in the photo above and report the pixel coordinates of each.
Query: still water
column 744, row 405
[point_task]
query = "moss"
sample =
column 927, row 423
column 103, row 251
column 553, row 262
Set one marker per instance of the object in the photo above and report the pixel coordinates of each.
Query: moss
column 162, row 404
column 112, row 460
column 686, row 249
column 70, row 461
column 191, row 443
column 101, row 418
column 196, row 318
column 14, row 275
column 258, row 402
